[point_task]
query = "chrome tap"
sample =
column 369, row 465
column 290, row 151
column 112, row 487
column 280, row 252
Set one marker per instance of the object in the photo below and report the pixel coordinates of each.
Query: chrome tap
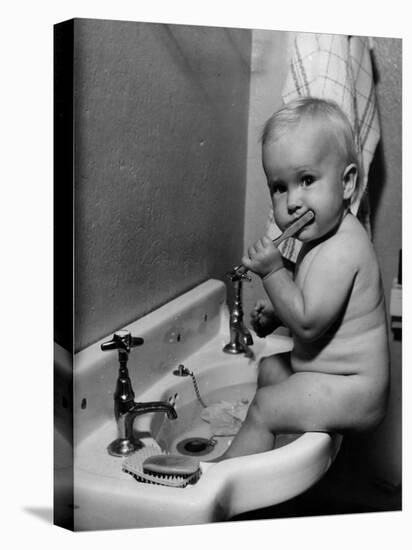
column 125, row 407
column 240, row 336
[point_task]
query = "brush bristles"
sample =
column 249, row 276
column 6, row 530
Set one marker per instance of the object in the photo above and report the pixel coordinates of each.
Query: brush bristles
column 133, row 465
column 177, row 482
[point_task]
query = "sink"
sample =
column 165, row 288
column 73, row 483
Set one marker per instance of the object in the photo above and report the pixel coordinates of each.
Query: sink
column 192, row 329
column 223, row 380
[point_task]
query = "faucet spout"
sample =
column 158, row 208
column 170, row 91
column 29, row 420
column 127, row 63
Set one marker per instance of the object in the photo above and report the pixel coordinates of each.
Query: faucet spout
column 127, row 443
column 154, row 406
column 125, row 407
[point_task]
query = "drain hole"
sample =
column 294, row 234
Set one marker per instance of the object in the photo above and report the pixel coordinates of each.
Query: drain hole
column 195, row 446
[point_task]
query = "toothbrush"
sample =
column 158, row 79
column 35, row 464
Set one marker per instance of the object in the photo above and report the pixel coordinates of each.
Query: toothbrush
column 240, row 270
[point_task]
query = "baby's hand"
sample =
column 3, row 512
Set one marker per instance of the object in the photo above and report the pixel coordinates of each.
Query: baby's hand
column 263, row 318
column 263, row 257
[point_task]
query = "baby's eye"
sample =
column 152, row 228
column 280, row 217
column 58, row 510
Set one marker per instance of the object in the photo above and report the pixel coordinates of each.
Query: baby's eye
column 307, row 180
column 278, row 188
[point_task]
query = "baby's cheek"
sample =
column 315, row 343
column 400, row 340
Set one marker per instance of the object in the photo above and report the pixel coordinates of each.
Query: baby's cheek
column 280, row 218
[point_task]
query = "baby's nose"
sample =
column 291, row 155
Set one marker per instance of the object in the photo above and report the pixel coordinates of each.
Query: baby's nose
column 294, row 199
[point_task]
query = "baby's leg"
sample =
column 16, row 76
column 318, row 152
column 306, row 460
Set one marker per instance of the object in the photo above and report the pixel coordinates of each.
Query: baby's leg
column 274, row 369
column 303, row 402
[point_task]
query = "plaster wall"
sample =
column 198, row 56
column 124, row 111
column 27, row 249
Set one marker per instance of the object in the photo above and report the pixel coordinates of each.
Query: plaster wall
column 270, row 53
column 161, row 115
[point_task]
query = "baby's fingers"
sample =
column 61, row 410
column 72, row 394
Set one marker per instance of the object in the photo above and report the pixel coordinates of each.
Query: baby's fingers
column 246, row 261
column 262, row 244
column 254, row 313
column 266, row 240
column 261, row 304
column 255, row 322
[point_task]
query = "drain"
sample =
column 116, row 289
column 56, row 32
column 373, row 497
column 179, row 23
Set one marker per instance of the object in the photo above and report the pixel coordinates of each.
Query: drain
column 195, row 446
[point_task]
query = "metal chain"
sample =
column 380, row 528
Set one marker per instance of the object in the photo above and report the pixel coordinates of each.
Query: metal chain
column 212, row 439
column 197, row 390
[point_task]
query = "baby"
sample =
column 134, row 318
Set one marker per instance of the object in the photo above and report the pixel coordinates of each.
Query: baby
column 336, row 377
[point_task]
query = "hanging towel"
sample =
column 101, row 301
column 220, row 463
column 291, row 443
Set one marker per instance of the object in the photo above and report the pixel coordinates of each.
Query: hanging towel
column 339, row 68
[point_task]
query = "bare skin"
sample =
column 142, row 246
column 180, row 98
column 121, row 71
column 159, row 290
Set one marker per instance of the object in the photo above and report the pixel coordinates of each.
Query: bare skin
column 336, row 377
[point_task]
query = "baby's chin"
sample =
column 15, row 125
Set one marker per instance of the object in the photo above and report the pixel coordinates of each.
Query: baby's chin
column 312, row 234
column 305, row 239
column 307, row 233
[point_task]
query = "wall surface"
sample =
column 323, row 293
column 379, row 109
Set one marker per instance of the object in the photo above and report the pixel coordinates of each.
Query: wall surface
column 270, row 53
column 383, row 449
column 380, row 452
column 160, row 162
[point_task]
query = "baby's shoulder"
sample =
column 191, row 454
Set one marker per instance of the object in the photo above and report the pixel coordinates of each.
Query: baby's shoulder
column 350, row 247
column 351, row 239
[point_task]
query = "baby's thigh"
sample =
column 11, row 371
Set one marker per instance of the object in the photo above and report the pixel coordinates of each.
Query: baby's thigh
column 312, row 402
column 274, row 369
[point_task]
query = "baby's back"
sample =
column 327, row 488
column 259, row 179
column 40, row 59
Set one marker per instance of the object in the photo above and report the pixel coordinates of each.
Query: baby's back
column 356, row 343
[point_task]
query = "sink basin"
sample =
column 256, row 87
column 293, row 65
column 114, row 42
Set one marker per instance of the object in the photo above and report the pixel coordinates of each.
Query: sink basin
column 225, row 380
column 192, row 330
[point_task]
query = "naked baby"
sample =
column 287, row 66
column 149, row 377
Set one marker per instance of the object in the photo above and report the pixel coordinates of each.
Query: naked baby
column 335, row 379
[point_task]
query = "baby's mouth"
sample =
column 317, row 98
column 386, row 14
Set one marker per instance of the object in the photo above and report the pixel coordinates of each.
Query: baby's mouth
column 301, row 216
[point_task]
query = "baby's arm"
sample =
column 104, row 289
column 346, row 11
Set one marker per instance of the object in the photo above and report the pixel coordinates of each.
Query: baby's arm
column 308, row 311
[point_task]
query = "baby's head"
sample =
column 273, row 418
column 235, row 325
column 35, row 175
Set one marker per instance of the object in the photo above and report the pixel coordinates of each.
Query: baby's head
column 310, row 159
column 312, row 109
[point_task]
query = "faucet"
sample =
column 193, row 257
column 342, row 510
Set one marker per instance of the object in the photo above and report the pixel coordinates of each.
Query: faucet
column 240, row 336
column 125, row 407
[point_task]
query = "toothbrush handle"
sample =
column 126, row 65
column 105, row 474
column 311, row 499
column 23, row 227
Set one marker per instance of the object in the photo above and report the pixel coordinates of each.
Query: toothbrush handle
column 240, row 270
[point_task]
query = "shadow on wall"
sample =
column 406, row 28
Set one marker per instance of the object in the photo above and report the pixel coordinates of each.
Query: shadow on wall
column 183, row 45
column 376, row 182
column 377, row 174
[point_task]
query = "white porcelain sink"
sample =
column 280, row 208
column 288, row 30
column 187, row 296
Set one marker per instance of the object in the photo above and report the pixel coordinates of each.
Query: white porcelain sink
column 192, row 330
column 219, row 378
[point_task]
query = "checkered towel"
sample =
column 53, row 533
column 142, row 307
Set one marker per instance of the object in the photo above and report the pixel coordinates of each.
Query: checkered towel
column 336, row 67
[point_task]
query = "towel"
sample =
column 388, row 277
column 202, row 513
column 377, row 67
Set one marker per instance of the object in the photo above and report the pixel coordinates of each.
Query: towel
column 339, row 68
column 225, row 418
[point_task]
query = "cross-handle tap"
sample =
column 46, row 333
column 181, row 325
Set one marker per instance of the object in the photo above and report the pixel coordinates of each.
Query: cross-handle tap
column 125, row 407
column 122, row 340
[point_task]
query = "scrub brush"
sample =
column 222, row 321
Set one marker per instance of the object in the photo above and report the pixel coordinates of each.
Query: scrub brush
column 149, row 466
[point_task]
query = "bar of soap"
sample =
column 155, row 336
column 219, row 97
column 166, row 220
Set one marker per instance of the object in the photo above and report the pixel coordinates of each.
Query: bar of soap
column 171, row 465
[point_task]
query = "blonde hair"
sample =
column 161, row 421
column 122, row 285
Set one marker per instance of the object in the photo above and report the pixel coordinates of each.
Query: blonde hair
column 313, row 108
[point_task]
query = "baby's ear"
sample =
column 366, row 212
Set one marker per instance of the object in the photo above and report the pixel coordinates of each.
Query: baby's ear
column 349, row 179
